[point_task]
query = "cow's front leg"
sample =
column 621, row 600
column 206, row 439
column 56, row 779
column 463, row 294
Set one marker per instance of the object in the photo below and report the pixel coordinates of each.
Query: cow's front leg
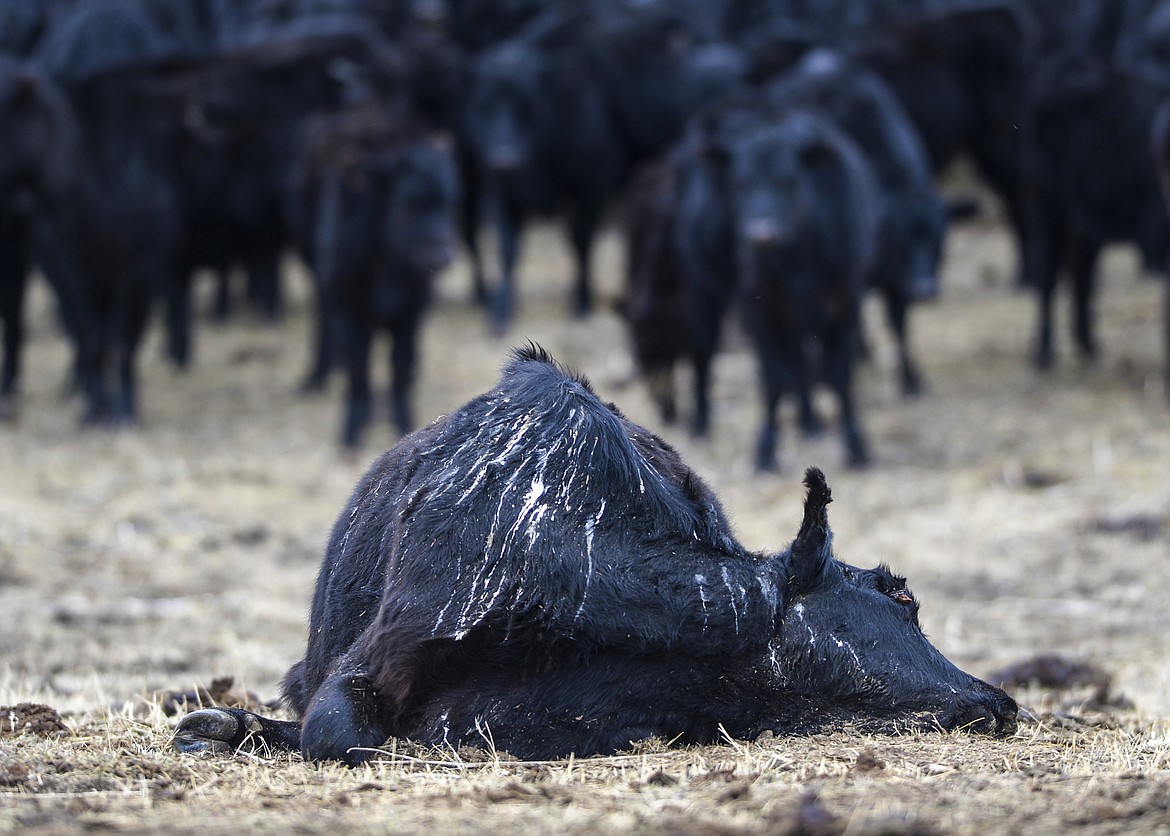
column 342, row 721
column 224, row 730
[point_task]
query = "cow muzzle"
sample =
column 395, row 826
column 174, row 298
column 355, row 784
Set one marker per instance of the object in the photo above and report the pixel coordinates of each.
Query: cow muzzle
column 986, row 711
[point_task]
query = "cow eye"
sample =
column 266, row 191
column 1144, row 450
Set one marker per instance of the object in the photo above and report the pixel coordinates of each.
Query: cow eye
column 902, row 596
column 894, row 588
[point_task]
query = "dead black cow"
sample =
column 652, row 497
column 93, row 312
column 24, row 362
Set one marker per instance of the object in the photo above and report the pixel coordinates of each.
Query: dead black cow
column 538, row 571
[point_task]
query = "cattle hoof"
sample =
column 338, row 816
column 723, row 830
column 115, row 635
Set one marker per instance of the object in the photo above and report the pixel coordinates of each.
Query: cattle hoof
column 213, row 730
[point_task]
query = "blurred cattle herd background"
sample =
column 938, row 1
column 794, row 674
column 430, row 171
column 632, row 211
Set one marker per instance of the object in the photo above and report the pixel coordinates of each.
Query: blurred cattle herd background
column 775, row 160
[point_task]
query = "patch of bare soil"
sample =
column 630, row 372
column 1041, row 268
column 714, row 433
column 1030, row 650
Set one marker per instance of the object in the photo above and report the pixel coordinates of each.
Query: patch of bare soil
column 139, row 570
column 31, row 718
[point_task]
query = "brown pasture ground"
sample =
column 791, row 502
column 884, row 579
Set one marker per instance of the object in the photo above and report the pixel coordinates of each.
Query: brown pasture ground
column 1031, row 514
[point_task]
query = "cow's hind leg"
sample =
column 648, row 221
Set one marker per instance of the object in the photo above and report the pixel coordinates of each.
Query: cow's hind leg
column 224, row 730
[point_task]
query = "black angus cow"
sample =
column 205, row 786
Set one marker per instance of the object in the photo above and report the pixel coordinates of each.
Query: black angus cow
column 240, row 123
column 537, row 573
column 806, row 216
column 557, row 116
column 377, row 196
column 35, row 157
column 776, row 207
column 960, row 70
column 1090, row 180
column 541, row 139
column 913, row 217
column 113, row 225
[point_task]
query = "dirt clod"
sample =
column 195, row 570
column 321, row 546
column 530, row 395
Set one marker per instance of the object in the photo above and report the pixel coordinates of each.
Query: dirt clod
column 218, row 694
column 31, row 718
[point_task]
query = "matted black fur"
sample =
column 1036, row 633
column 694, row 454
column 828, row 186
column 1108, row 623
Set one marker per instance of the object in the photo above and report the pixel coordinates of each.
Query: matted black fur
column 537, row 573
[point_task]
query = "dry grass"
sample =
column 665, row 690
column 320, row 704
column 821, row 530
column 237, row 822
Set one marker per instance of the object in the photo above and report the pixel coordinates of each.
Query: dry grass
column 114, row 771
column 1031, row 515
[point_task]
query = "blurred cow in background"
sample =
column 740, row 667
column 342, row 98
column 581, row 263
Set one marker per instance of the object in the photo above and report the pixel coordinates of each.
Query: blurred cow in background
column 377, row 199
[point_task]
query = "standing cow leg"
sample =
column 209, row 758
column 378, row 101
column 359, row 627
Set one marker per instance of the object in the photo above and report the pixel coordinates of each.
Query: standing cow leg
column 840, row 349
column 403, row 353
column 703, row 323
column 13, row 285
column 507, row 224
column 131, row 326
column 1082, row 267
column 811, row 424
column 470, row 211
column 324, row 345
column 94, row 364
column 773, row 371
column 1044, row 267
column 179, row 319
column 357, row 365
column 582, row 230
column 1166, row 332
column 1043, row 351
column 221, row 309
column 897, row 306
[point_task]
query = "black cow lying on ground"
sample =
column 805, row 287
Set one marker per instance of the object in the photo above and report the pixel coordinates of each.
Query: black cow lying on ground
column 536, row 571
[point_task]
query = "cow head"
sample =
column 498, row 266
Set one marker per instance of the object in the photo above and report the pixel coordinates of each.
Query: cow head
column 919, row 223
column 423, row 194
column 36, row 128
column 849, row 644
column 776, row 174
column 506, row 108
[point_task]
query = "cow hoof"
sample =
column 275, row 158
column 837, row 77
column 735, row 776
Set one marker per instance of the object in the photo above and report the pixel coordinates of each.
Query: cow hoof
column 214, row 730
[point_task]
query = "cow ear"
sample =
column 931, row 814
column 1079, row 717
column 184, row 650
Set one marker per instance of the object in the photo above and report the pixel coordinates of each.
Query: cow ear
column 812, row 548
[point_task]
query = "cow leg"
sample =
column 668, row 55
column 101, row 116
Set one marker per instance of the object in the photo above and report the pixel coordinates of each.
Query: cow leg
column 840, row 348
column 1044, row 268
column 221, row 309
column 357, row 366
column 469, row 222
column 319, row 370
column 703, row 316
column 132, row 325
column 508, row 235
column 811, row 424
column 224, row 730
column 13, row 286
column 1046, row 288
column 403, row 353
column 1166, row 332
column 582, row 231
column 179, row 319
column 95, row 366
column 772, row 387
column 1082, row 268
column 897, row 306
column 343, row 720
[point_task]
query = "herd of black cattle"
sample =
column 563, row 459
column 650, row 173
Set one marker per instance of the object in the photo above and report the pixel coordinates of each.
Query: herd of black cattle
column 774, row 156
